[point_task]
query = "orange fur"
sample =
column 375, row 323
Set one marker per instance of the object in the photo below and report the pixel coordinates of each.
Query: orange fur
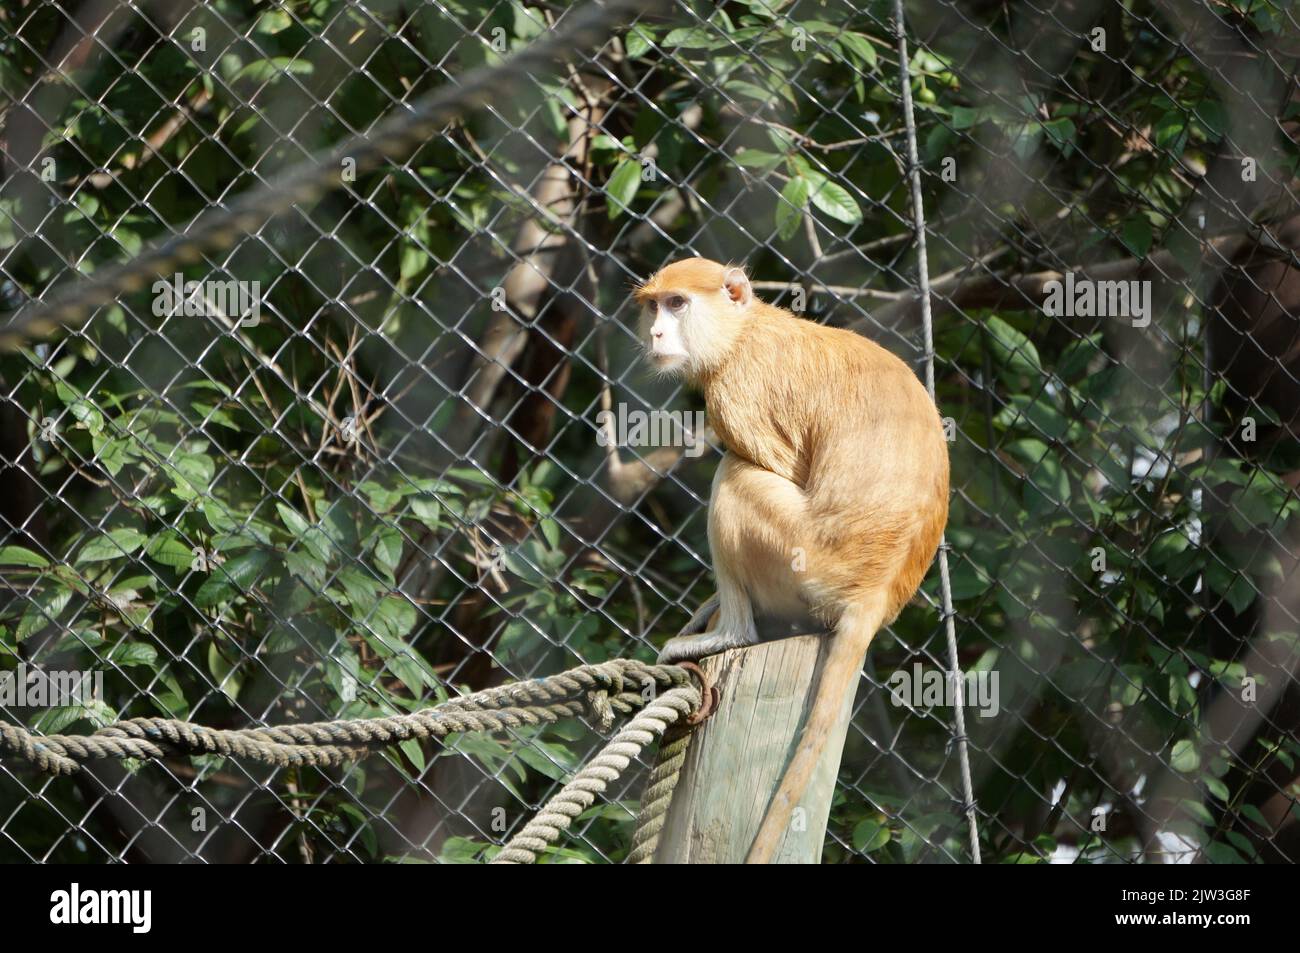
column 834, row 450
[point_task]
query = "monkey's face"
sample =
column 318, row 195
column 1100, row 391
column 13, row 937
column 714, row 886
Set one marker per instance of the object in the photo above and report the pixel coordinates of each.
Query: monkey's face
column 665, row 322
column 693, row 312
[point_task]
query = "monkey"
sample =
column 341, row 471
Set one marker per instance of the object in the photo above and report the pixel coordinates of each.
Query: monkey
column 831, row 498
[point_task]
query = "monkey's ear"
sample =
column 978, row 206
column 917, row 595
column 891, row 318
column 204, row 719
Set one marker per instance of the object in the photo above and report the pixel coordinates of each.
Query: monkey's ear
column 735, row 283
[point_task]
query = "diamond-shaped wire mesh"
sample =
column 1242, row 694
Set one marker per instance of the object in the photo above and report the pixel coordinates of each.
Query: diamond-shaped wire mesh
column 393, row 483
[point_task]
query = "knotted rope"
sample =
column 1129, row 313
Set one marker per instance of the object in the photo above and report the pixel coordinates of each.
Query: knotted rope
column 579, row 794
column 601, row 690
column 659, row 795
column 664, row 695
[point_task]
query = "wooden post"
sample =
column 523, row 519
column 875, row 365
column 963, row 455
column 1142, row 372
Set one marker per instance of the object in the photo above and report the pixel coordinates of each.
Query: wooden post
column 736, row 758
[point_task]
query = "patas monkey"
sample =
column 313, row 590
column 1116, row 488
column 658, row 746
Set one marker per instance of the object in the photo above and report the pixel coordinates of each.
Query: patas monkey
column 832, row 496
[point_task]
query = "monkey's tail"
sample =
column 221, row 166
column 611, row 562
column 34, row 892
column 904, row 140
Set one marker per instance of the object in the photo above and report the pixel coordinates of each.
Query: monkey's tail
column 853, row 634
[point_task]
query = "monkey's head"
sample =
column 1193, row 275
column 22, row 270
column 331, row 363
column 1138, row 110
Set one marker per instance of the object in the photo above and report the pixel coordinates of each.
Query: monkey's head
column 692, row 313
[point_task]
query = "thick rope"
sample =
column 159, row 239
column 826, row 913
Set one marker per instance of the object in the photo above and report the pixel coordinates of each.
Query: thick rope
column 658, row 795
column 619, row 686
column 307, row 181
column 923, row 281
column 580, row 793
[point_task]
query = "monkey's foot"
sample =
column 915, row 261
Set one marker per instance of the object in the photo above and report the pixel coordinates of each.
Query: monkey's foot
column 690, row 648
column 700, row 621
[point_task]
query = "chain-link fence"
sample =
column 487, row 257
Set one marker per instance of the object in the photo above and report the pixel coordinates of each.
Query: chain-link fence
column 357, row 457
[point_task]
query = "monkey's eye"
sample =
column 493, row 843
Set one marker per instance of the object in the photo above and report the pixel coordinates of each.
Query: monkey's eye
column 675, row 302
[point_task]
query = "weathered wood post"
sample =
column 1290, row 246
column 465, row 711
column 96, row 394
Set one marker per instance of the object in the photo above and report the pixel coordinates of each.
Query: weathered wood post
column 736, row 758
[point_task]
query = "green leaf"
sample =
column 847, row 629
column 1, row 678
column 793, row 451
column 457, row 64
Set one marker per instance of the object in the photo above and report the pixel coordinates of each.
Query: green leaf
column 168, row 548
column 260, row 71
column 1166, row 546
column 339, row 526
column 835, row 201
column 414, row 260
column 1048, row 481
column 1242, row 843
column 1218, row 789
column 60, row 717
column 622, row 186
column 693, row 38
column 870, row 835
column 191, row 475
column 361, row 588
column 1062, row 132
column 133, row 653
column 859, row 46
column 1137, row 235
column 273, row 21
column 214, row 591
column 44, row 609
column 964, row 117
column 229, row 579
column 760, row 94
column 1231, row 584
column 412, row 749
column 1185, row 757
column 77, row 640
column 112, row 545
column 306, row 567
column 1171, row 133
column 1036, row 413
column 638, row 41
column 293, row 521
column 1253, row 814
column 238, row 528
column 1077, row 355
column 112, row 455
column 427, row 511
column 244, row 569
column 21, row 556
column 1013, row 349
column 226, row 674
column 1220, row 853
column 388, row 549
column 468, row 474
column 1262, row 503
column 968, row 580
column 1212, row 117
column 88, row 415
column 394, row 617
column 541, row 763
column 790, row 206
column 1198, row 811
column 400, row 659
column 756, row 159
